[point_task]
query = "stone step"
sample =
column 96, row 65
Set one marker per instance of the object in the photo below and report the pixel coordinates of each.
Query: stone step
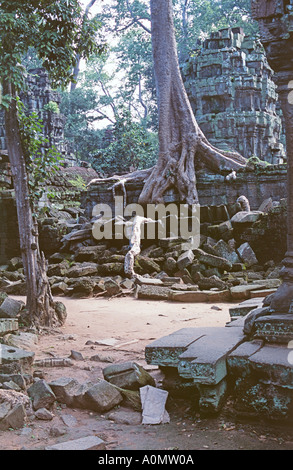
column 245, row 307
column 204, row 361
column 166, row 351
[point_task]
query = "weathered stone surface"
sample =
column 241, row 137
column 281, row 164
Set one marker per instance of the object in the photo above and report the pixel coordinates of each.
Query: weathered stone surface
column 128, row 375
column 185, row 259
column 41, row 394
column 153, row 292
column 247, row 254
column 166, row 351
column 102, row 397
column 44, row 414
column 14, row 419
column 10, row 308
column 212, row 398
column 83, row 443
column 112, row 287
column 67, row 390
column 13, row 355
column 225, row 251
column 8, row 325
column 242, row 292
column 274, row 328
column 244, row 217
column 22, row 340
column 211, row 260
column 82, row 269
column 245, row 307
column 212, row 282
column 205, row 360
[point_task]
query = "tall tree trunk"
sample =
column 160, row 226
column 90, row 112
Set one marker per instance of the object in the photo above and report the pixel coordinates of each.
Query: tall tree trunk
column 40, row 303
column 182, row 145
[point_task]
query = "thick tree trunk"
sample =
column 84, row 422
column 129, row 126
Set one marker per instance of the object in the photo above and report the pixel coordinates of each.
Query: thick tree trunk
column 182, row 145
column 40, row 303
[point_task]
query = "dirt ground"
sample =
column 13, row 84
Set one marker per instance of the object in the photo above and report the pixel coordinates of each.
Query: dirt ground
column 128, row 325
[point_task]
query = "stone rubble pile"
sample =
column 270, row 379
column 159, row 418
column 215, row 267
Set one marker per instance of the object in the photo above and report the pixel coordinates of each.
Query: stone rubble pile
column 25, row 394
column 225, row 267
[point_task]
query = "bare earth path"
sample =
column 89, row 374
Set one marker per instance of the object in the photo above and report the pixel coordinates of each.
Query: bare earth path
column 127, row 326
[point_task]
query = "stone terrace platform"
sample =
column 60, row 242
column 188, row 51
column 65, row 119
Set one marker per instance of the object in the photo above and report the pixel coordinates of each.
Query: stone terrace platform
column 220, row 362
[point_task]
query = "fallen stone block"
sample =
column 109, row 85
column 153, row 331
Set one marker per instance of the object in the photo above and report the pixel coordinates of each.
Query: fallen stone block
column 153, row 401
column 242, row 292
column 8, row 325
column 83, row 443
column 14, row 419
column 128, row 375
column 69, row 391
column 247, row 255
column 212, row 398
column 102, row 397
column 13, row 355
column 185, row 259
column 41, row 394
column 245, row 217
column 22, row 340
column 261, row 293
column 225, row 251
column 153, row 292
column 10, row 308
column 211, row 260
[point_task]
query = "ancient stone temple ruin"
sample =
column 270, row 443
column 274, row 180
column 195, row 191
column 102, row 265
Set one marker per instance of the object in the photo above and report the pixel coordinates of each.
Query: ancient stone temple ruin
column 39, row 97
column 233, row 95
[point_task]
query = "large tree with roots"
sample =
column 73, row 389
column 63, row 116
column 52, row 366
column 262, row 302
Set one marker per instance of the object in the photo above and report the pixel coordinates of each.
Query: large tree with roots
column 183, row 148
column 59, row 32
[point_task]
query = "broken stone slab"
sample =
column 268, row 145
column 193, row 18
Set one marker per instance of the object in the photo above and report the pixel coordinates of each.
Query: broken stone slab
column 153, row 401
column 83, row 269
column 200, row 296
column 274, row 328
column 238, row 361
column 247, row 255
column 206, row 283
column 245, row 307
column 15, row 418
column 225, row 251
column 148, row 281
column 44, row 414
column 211, row 260
column 41, row 394
column 102, row 397
column 242, row 292
column 69, row 391
column 185, row 259
column 272, row 365
column 245, row 217
column 112, row 287
column 268, row 283
column 11, row 354
column 128, row 375
column 167, row 350
column 10, row 308
column 205, row 360
column 22, row 340
column 261, row 293
column 153, row 292
column 83, row 443
column 8, row 325
column 125, row 416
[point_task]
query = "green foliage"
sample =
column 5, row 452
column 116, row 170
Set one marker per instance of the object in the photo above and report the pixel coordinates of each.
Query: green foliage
column 52, row 107
column 78, row 182
column 132, row 147
column 53, row 28
column 38, row 160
